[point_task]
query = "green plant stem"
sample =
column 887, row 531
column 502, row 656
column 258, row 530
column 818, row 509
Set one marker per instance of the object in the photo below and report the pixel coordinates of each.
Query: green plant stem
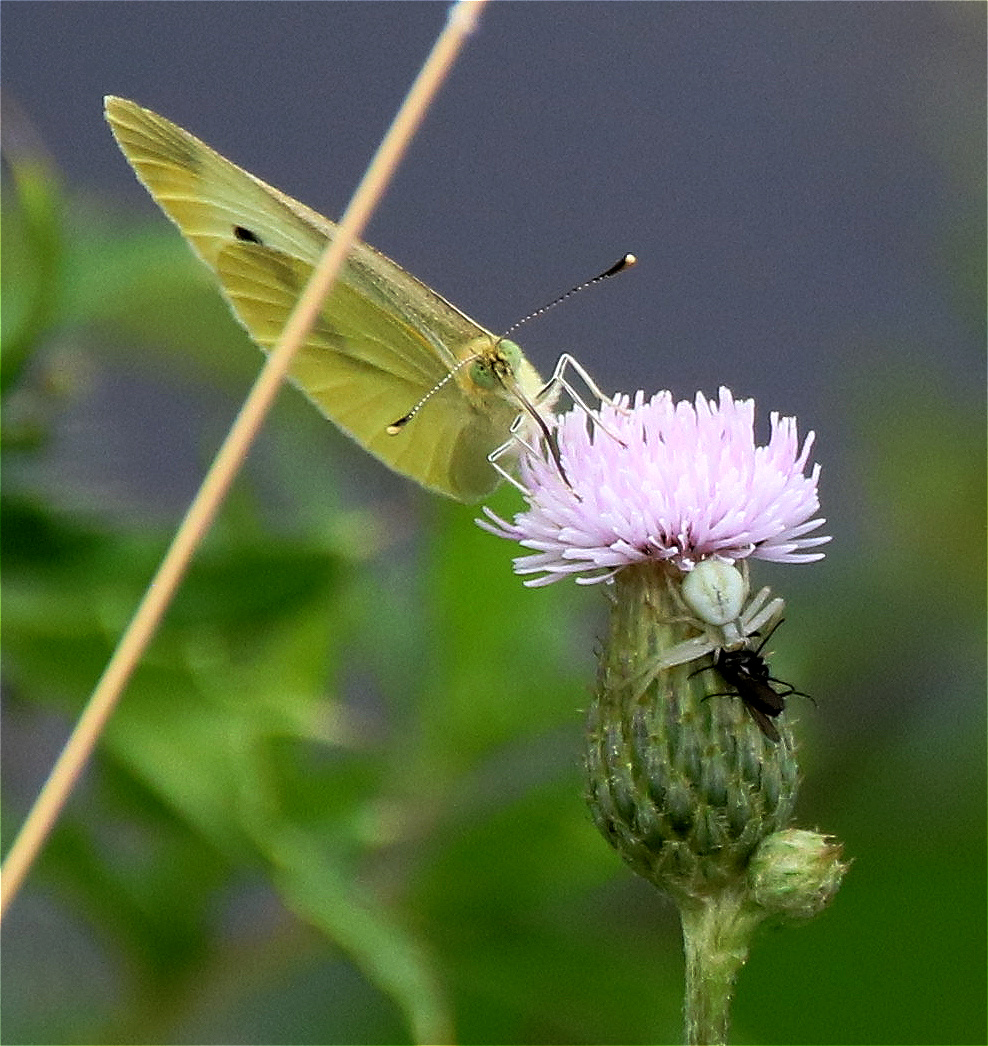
column 716, row 931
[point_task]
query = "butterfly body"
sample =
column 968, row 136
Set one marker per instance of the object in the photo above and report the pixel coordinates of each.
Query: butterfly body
column 385, row 347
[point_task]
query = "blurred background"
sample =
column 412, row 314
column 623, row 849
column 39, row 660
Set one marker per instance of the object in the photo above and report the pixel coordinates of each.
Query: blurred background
column 341, row 802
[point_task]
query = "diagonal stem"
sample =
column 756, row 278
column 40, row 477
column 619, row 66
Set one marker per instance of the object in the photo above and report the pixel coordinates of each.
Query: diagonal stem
column 207, row 502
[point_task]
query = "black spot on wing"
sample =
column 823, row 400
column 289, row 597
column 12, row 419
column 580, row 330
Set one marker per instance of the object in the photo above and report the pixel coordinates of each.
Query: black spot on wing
column 245, row 235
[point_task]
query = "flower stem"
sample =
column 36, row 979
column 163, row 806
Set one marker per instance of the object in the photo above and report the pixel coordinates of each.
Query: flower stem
column 716, row 932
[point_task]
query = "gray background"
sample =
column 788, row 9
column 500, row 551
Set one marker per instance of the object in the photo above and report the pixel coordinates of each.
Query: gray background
column 786, row 173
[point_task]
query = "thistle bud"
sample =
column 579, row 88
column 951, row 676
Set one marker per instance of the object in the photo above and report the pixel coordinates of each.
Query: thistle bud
column 795, row 873
column 685, row 788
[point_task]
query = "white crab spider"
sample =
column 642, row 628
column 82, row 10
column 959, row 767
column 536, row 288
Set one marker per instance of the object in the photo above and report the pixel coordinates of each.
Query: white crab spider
column 715, row 592
column 708, row 603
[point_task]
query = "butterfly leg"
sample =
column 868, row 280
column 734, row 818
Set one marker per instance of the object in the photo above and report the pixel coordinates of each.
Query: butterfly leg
column 509, row 447
column 559, row 381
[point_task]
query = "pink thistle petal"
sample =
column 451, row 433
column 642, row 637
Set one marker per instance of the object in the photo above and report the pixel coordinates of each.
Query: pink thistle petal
column 659, row 480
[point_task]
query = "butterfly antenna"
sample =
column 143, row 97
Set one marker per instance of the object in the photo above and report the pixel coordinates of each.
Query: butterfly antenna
column 619, row 266
column 396, row 426
column 624, row 262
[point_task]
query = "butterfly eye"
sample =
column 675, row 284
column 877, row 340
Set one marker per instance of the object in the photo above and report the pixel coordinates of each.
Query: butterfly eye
column 715, row 591
column 483, row 372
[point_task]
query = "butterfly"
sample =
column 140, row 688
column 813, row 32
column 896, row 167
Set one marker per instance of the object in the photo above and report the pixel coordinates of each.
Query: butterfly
column 398, row 368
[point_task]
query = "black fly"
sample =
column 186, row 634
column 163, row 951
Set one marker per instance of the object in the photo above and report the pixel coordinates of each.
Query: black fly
column 748, row 672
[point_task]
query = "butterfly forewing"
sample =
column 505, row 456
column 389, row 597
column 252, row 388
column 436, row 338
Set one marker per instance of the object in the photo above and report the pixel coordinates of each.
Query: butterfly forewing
column 384, row 339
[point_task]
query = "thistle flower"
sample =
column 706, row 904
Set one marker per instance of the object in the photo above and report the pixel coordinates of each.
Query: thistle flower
column 664, row 502
column 660, row 481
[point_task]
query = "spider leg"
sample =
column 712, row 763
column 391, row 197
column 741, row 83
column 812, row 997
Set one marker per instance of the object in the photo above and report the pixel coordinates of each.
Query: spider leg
column 760, row 611
column 687, row 650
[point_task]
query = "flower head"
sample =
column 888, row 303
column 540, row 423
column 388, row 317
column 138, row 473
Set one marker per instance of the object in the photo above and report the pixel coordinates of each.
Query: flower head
column 658, row 480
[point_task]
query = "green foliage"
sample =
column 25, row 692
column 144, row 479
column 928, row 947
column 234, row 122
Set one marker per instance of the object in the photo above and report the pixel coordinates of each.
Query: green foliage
column 341, row 800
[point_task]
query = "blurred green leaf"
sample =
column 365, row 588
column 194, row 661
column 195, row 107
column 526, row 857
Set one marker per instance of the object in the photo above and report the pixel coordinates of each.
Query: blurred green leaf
column 33, row 249
column 331, row 899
